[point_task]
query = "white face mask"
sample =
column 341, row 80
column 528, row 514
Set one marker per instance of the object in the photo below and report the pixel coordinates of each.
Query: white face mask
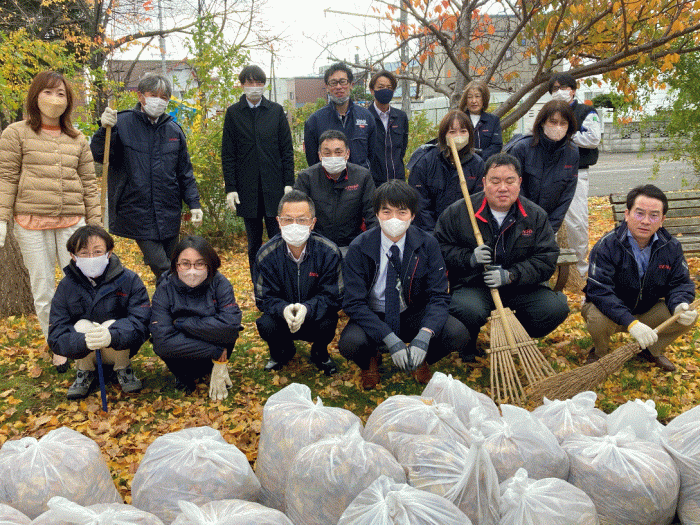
column 154, row 106
column 92, row 266
column 563, row 94
column 192, row 277
column 52, row 107
column 461, row 141
column 556, row 133
column 253, row 93
column 334, row 165
column 295, row 234
column 394, row 227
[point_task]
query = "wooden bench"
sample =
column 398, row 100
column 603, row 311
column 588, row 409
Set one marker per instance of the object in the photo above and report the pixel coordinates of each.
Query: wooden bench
column 682, row 219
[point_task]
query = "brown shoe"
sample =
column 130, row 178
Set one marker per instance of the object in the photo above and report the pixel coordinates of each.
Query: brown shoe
column 370, row 377
column 592, row 356
column 659, row 360
column 422, row 374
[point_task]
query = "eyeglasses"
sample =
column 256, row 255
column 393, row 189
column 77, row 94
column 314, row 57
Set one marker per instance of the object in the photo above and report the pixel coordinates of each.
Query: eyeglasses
column 303, row 221
column 341, row 82
column 653, row 216
column 86, row 254
column 186, row 265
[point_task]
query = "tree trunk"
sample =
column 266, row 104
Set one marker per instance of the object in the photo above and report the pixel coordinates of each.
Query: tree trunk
column 15, row 293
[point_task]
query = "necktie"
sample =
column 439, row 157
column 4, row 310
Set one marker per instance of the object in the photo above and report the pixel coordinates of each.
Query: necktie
column 392, row 306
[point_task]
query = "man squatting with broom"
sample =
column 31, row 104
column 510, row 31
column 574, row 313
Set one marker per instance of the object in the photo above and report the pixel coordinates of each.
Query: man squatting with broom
column 519, row 254
column 637, row 276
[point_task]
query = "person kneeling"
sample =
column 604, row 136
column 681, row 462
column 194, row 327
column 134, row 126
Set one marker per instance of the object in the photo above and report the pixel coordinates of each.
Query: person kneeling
column 98, row 305
column 298, row 286
column 195, row 320
column 396, row 291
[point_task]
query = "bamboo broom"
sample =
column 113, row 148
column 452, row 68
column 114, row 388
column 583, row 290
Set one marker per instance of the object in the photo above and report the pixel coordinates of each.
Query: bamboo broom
column 508, row 336
column 567, row 384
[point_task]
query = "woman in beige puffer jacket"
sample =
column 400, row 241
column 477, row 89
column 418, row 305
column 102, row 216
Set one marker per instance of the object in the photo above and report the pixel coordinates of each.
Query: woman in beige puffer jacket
column 47, row 185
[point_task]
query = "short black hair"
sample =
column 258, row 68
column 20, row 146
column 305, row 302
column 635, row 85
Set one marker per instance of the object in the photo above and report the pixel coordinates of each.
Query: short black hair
column 647, row 190
column 296, row 196
column 332, row 134
column 397, row 193
column 563, row 79
column 380, row 74
column 79, row 239
column 338, row 66
column 503, row 159
column 252, row 72
column 202, row 246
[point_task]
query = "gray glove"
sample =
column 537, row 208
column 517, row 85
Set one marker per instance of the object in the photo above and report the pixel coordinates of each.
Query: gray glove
column 482, row 254
column 109, row 117
column 398, row 350
column 495, row 276
column 419, row 347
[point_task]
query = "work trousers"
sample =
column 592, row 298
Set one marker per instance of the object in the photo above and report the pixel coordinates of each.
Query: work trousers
column 119, row 358
column 275, row 332
column 576, row 221
column 157, row 254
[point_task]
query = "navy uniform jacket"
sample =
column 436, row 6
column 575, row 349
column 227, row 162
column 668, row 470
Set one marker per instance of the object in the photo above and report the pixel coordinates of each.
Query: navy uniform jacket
column 389, row 147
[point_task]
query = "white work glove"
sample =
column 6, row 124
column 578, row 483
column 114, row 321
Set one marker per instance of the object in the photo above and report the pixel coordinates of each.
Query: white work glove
column 419, row 348
column 3, row 233
column 687, row 317
column 300, row 312
column 98, row 337
column 289, row 313
column 287, row 189
column 109, row 117
column 398, row 350
column 220, row 381
column 197, row 217
column 231, row 200
column 482, row 254
column 644, row 334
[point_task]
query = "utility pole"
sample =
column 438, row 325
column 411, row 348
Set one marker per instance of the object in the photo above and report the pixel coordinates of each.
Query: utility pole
column 272, row 74
column 162, row 38
column 405, row 95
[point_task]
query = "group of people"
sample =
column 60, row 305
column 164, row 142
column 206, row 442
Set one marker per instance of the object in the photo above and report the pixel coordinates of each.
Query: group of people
column 400, row 258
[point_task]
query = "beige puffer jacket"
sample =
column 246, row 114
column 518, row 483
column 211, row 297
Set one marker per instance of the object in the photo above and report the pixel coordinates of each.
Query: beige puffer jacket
column 46, row 175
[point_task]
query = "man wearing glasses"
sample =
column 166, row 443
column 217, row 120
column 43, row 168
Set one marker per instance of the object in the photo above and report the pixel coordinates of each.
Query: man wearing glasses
column 298, row 286
column 356, row 122
column 342, row 191
column 637, row 276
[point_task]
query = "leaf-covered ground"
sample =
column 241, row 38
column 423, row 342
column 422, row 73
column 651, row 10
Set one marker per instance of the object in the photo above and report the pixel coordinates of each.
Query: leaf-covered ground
column 33, row 396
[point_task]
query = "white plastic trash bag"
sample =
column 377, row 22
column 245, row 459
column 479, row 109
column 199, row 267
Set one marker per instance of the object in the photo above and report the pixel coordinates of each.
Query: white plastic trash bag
column 291, row 421
column 64, row 512
column 386, row 502
column 194, row 464
column 631, row 482
column 11, row 516
column 463, row 475
column 681, row 438
column 413, row 415
column 327, row 475
column 444, row 389
column 519, row 440
column 62, row 463
column 638, row 417
column 549, row 501
column 229, row 512
column 574, row 416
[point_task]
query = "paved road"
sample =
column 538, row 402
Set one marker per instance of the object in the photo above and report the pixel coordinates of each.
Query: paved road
column 620, row 172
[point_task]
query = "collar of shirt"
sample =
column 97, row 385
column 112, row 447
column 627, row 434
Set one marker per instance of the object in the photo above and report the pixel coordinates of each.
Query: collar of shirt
column 383, row 115
column 301, row 255
column 641, row 255
column 343, row 175
column 387, row 243
column 253, row 106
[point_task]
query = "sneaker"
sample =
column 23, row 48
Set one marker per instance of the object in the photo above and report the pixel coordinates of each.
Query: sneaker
column 128, row 381
column 82, row 386
column 328, row 366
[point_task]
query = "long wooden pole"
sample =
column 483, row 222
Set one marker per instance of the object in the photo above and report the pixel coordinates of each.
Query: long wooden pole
column 105, row 171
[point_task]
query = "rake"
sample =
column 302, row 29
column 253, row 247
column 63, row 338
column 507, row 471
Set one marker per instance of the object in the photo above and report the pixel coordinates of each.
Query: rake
column 567, row 384
column 508, row 336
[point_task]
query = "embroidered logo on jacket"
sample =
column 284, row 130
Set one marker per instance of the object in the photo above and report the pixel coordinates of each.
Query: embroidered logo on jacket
column 353, row 187
column 527, row 232
column 313, row 274
column 664, row 267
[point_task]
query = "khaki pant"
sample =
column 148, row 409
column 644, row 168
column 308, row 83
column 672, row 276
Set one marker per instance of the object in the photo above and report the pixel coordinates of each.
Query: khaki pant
column 602, row 328
column 110, row 356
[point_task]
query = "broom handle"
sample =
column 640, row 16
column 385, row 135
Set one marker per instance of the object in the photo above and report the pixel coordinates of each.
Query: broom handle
column 674, row 317
column 105, row 170
column 479, row 241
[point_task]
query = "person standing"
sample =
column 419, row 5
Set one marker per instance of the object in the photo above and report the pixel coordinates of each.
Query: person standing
column 488, row 139
column 150, row 173
column 391, row 134
column 47, row 183
column 341, row 114
column 562, row 86
column 257, row 158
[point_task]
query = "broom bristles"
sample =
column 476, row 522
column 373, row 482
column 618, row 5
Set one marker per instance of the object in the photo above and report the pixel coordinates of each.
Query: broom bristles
column 567, row 384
